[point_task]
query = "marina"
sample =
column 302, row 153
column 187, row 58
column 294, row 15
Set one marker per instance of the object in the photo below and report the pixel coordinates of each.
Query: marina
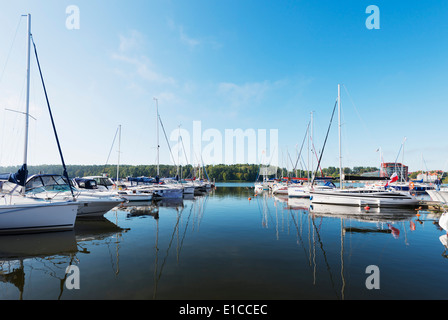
column 228, row 247
column 282, row 170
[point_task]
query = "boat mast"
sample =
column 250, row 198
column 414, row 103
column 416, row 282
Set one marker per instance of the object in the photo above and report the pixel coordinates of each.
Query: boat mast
column 340, row 149
column 25, row 153
column 312, row 145
column 119, row 145
column 402, row 163
column 157, row 124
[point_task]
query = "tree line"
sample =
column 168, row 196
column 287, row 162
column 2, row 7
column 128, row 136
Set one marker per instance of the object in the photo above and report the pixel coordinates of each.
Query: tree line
column 218, row 173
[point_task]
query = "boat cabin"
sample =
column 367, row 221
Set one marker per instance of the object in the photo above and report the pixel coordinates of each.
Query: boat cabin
column 101, row 182
column 46, row 182
column 84, row 183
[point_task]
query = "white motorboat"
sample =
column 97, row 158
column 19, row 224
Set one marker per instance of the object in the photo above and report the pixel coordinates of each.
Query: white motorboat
column 55, row 187
column 187, row 188
column 157, row 188
column 102, row 185
column 166, row 192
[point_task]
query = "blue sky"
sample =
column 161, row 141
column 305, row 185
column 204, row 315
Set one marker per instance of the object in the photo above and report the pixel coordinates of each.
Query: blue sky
column 229, row 64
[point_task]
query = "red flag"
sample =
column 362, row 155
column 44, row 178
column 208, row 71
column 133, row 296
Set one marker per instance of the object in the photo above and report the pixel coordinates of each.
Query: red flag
column 393, row 178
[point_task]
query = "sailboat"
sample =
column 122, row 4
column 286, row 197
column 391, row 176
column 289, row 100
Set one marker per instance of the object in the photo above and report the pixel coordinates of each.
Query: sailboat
column 103, row 186
column 372, row 197
column 22, row 214
column 162, row 190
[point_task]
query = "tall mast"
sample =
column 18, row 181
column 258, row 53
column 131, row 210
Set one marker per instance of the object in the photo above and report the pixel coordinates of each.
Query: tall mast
column 119, row 145
column 402, row 163
column 157, row 124
column 340, row 148
column 25, row 152
column 312, row 146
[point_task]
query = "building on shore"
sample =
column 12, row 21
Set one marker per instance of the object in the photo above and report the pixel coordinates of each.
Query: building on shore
column 388, row 168
column 429, row 177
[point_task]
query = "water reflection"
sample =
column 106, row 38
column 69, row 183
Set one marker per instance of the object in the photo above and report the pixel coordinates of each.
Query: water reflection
column 49, row 254
column 310, row 221
column 189, row 212
column 193, row 215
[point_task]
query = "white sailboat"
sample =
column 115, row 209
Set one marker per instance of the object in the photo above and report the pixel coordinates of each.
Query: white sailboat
column 162, row 190
column 20, row 214
column 103, row 186
column 280, row 188
column 303, row 190
column 360, row 196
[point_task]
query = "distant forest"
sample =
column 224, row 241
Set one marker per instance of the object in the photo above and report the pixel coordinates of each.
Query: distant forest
column 218, row 173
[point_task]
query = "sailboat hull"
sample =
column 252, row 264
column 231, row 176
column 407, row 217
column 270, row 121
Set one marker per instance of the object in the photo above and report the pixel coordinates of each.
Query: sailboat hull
column 364, row 198
column 34, row 218
column 168, row 193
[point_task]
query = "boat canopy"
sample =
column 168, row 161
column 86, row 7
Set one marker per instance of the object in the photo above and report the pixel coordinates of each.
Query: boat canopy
column 142, row 179
column 47, row 182
column 86, row 183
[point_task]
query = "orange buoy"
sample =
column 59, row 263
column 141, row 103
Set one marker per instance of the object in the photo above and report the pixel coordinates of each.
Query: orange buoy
column 418, row 214
column 250, row 198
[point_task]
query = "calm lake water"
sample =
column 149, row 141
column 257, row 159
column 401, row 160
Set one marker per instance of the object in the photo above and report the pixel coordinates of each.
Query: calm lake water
column 224, row 246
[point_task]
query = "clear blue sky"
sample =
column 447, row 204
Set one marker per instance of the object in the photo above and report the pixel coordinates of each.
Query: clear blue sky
column 251, row 64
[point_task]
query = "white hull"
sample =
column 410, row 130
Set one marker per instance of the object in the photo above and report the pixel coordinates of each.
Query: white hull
column 167, row 193
column 95, row 207
column 188, row 190
column 303, row 191
column 298, row 191
column 260, row 187
column 440, row 196
column 130, row 196
column 280, row 189
column 89, row 205
column 363, row 197
column 37, row 216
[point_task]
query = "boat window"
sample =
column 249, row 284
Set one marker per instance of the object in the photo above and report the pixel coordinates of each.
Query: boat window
column 48, row 183
column 34, row 183
column 103, row 182
column 91, row 184
column 60, row 180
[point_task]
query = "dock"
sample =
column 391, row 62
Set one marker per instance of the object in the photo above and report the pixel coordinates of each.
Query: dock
column 432, row 205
